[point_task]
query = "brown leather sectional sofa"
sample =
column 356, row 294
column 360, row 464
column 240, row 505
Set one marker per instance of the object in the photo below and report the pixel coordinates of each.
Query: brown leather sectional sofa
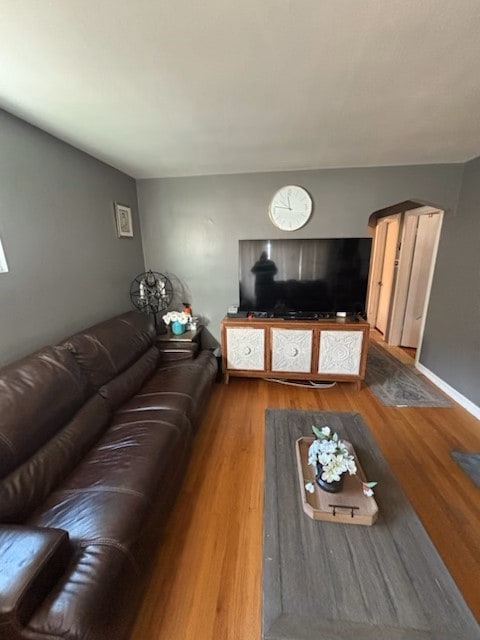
column 94, row 440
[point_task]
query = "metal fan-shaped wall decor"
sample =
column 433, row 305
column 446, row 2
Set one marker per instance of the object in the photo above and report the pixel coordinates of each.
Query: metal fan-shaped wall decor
column 151, row 292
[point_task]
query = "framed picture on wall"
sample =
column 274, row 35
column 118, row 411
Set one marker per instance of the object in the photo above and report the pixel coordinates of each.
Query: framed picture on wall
column 123, row 221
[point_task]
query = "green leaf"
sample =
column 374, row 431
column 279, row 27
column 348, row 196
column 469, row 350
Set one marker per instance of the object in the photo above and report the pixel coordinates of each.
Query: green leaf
column 317, row 432
column 371, row 484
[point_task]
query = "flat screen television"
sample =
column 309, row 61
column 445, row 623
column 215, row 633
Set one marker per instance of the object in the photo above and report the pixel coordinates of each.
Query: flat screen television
column 304, row 277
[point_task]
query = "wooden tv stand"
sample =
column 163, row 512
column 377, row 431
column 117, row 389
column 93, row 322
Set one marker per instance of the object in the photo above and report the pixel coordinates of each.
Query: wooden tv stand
column 295, row 349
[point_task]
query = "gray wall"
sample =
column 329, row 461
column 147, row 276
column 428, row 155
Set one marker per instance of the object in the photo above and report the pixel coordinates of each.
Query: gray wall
column 451, row 344
column 67, row 267
column 191, row 226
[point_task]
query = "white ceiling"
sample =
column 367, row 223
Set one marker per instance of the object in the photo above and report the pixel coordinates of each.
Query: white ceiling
column 191, row 87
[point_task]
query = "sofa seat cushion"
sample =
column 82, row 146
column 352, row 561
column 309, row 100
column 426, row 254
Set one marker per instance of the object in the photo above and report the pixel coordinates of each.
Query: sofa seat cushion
column 163, row 399
column 111, row 516
column 108, row 494
column 132, row 456
column 156, row 418
column 182, row 387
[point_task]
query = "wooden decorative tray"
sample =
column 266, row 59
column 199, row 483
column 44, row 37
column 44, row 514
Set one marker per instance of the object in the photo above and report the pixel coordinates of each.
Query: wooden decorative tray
column 349, row 506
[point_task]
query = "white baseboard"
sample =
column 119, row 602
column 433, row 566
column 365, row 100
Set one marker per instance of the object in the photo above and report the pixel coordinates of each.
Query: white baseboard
column 453, row 393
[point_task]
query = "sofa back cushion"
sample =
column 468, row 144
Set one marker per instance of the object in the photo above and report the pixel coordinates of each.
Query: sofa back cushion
column 126, row 384
column 106, row 349
column 38, row 395
column 27, row 486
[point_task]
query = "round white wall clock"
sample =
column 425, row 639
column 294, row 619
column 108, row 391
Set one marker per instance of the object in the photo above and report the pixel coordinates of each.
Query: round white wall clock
column 290, row 208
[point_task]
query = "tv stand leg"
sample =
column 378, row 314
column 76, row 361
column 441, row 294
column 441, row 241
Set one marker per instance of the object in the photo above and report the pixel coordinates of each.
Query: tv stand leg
column 357, row 385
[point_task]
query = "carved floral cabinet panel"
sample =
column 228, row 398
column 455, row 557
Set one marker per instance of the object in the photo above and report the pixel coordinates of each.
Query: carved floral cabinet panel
column 292, row 350
column 245, row 348
column 340, row 352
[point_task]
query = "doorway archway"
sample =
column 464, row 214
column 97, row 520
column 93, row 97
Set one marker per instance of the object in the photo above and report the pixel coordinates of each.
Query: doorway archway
column 406, row 238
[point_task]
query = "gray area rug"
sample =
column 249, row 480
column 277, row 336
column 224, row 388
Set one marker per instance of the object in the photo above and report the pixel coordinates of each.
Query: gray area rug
column 470, row 463
column 398, row 385
column 333, row 581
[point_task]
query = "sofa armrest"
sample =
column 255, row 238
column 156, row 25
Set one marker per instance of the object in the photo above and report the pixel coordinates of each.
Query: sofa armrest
column 31, row 560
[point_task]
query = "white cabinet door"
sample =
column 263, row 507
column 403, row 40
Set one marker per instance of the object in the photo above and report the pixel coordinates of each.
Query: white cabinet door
column 245, row 348
column 292, row 350
column 340, row 352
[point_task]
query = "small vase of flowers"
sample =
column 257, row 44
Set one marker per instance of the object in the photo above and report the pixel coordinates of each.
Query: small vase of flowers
column 178, row 321
column 331, row 459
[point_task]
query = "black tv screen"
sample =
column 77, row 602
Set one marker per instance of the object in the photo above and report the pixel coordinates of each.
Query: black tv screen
column 287, row 277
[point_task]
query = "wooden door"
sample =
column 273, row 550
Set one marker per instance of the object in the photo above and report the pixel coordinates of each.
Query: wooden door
column 387, row 274
column 425, row 244
column 375, row 277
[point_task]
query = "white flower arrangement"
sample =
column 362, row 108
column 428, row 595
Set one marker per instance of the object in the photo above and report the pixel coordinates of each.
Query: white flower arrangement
column 176, row 316
column 332, row 454
column 334, row 457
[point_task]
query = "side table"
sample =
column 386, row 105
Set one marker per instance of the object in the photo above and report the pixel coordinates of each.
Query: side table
column 182, row 347
column 187, row 336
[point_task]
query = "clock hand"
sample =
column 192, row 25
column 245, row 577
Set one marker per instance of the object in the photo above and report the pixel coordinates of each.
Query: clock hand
column 278, row 206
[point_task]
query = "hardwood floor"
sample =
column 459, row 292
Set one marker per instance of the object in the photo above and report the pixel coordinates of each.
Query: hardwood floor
column 206, row 581
column 410, row 351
